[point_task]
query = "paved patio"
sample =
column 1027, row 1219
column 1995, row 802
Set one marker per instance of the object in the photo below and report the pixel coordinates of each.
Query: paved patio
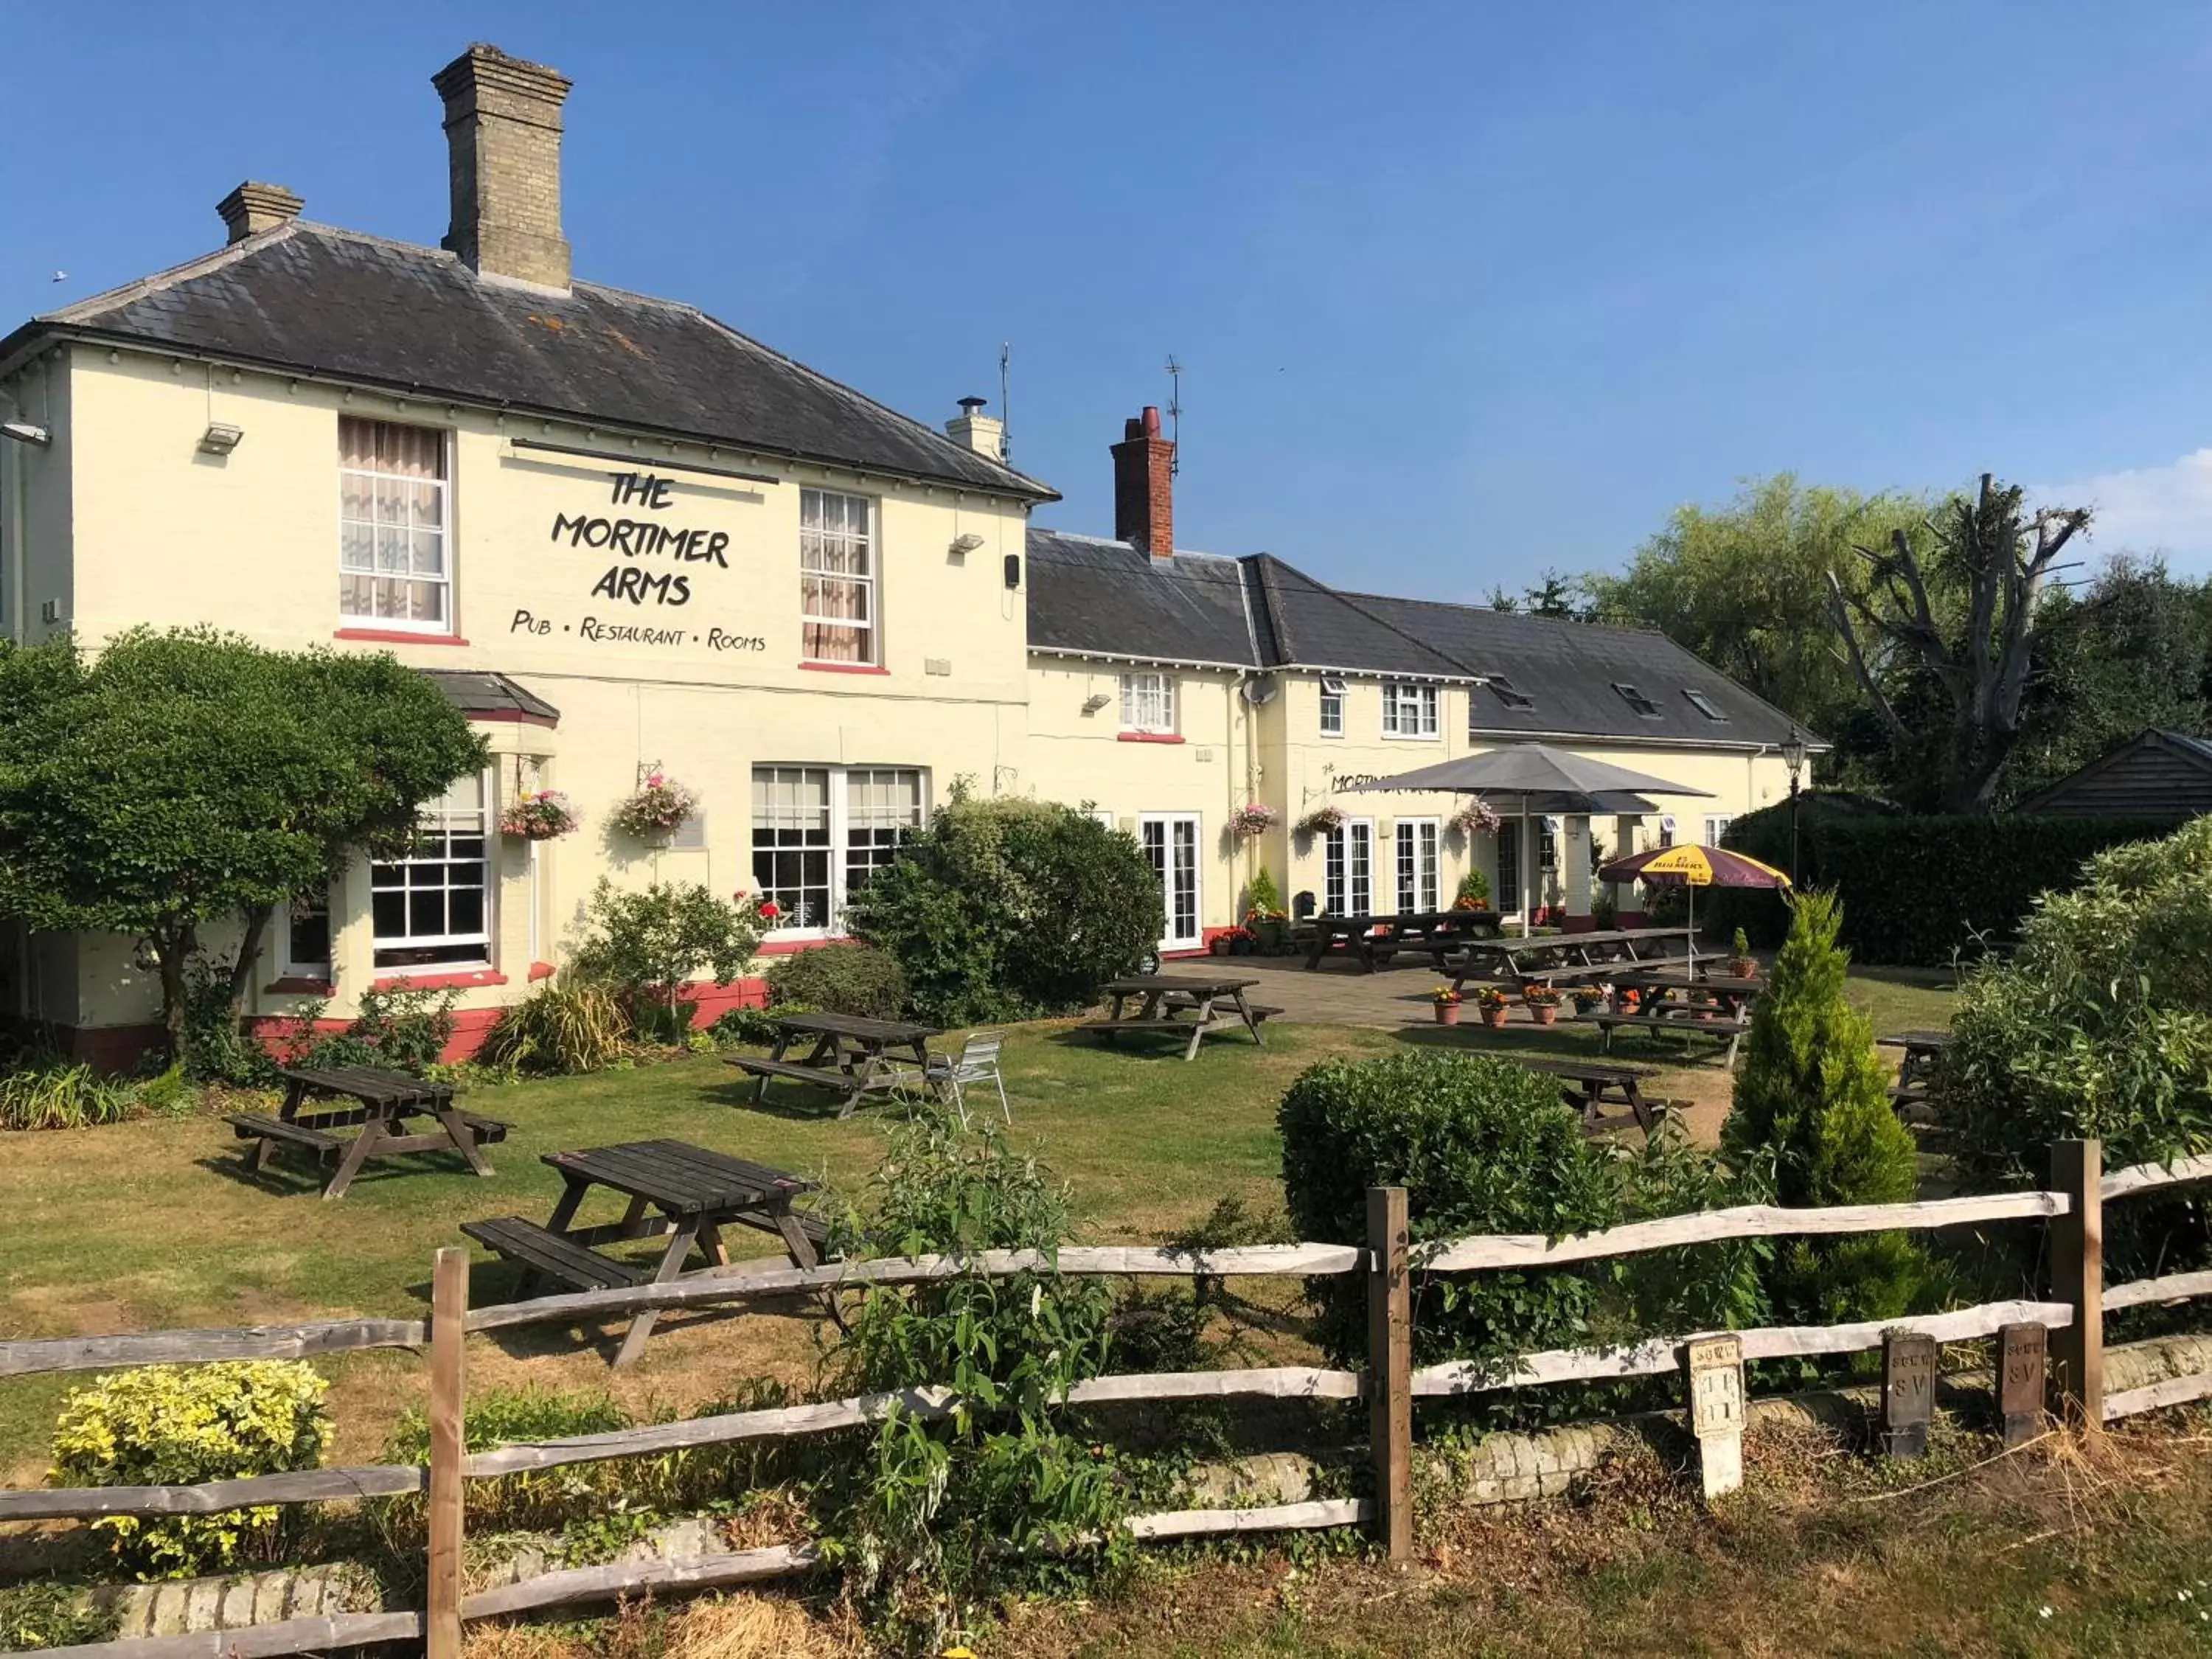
column 1337, row 993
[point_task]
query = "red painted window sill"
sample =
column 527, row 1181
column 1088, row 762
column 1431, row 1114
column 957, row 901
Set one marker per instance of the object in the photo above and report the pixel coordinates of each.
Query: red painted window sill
column 842, row 668
column 540, row 970
column 397, row 636
column 791, row 947
column 458, row 981
column 292, row 985
column 1149, row 736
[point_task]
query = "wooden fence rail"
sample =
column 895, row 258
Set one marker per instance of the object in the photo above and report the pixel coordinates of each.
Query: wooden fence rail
column 2072, row 1313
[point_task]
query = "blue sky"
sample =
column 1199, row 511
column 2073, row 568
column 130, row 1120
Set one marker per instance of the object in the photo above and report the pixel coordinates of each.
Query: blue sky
column 1463, row 291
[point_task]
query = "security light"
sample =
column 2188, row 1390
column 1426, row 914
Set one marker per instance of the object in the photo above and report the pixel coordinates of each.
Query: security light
column 220, row 440
column 963, row 545
column 26, row 432
column 1095, row 702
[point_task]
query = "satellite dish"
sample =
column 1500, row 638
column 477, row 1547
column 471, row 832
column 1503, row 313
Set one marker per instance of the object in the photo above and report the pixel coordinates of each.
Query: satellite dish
column 1261, row 688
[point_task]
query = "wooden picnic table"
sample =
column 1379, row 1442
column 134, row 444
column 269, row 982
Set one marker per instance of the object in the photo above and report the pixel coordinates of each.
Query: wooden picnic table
column 697, row 1192
column 1587, row 1083
column 852, row 1056
column 1661, row 989
column 383, row 1100
column 1921, row 1048
column 1554, row 959
column 1370, row 939
column 1197, row 1005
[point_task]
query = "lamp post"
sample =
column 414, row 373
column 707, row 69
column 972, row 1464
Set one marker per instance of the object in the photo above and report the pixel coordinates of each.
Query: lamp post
column 1793, row 757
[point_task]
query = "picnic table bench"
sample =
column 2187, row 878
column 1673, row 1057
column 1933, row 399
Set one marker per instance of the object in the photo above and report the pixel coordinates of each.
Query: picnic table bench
column 696, row 1191
column 1665, row 990
column 1921, row 1048
column 1587, row 1083
column 1577, row 959
column 1370, row 939
column 852, row 1056
column 1682, row 1023
column 383, row 1100
column 1192, row 1004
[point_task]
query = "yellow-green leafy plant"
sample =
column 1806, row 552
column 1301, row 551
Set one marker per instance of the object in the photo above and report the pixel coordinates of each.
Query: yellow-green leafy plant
column 565, row 1026
column 182, row 1425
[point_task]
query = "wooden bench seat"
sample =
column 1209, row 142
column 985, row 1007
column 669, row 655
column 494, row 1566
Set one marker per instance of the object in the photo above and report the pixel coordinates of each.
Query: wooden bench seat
column 1184, row 999
column 1728, row 1031
column 252, row 1126
column 816, row 1229
column 540, row 1250
column 790, row 1071
column 487, row 1130
column 1163, row 1023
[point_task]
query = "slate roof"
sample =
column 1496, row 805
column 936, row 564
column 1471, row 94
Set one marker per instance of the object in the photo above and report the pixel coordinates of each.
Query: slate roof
column 336, row 303
column 484, row 695
column 1107, row 599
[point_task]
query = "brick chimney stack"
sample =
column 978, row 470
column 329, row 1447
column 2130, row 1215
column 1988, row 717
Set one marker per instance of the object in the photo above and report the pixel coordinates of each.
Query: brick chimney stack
column 252, row 208
column 1144, row 487
column 971, row 429
column 503, row 141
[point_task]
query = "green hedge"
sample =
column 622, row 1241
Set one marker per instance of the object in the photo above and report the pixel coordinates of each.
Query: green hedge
column 1916, row 889
column 1765, row 834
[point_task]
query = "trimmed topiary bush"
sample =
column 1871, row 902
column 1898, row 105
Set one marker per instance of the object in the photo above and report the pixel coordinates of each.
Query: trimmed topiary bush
column 844, row 978
column 1481, row 1145
column 181, row 1425
column 1811, row 1119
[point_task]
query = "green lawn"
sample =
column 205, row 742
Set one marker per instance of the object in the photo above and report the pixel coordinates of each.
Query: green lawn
column 155, row 1225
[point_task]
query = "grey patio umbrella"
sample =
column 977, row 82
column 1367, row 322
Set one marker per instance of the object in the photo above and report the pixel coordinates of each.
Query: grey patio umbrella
column 1545, row 779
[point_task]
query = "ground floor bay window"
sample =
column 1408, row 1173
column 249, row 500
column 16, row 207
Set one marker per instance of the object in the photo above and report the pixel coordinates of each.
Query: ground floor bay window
column 820, row 831
column 433, row 906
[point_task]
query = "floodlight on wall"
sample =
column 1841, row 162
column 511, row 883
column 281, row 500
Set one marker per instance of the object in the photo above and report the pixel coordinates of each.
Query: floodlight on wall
column 1097, row 701
column 220, row 440
column 965, row 545
column 25, row 432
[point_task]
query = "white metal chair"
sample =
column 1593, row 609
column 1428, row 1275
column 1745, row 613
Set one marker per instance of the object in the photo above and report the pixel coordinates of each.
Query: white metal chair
column 977, row 1062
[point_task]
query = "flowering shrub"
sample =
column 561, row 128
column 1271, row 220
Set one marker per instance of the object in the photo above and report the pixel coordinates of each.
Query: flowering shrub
column 661, row 807
column 1321, row 821
column 1474, row 892
column 538, row 815
column 1477, row 818
column 1253, row 818
column 181, row 1425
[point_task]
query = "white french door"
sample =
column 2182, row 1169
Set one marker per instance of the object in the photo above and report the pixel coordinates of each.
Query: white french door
column 1416, row 867
column 1170, row 842
column 1348, row 869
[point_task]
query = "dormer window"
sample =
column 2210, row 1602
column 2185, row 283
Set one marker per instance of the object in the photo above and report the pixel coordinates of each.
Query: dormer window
column 1703, row 704
column 1636, row 699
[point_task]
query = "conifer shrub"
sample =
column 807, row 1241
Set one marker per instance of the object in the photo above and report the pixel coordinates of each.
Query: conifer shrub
column 1811, row 1121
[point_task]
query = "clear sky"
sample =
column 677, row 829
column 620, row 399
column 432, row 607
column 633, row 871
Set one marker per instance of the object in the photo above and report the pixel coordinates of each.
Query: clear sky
column 1463, row 291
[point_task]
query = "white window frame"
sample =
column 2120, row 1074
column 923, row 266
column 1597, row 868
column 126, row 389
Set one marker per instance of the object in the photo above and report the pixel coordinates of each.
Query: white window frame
column 1337, row 846
column 487, row 939
column 1148, row 703
column 868, row 543
column 839, row 848
column 1417, row 698
column 1188, row 828
column 448, row 622
column 1332, row 706
column 1416, row 842
column 1717, row 825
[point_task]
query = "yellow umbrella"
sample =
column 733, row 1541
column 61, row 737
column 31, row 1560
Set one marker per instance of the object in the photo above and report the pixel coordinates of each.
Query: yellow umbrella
column 1694, row 866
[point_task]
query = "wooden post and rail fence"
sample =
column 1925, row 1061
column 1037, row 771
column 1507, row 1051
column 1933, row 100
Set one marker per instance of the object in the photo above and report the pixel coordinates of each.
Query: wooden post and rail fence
column 2072, row 1314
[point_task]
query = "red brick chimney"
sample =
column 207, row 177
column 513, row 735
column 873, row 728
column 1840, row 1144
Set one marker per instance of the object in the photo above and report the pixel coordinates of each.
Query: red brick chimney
column 1144, row 487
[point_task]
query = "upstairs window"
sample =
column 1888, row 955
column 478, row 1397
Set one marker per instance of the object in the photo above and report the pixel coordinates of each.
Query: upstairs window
column 1409, row 710
column 433, row 906
column 1148, row 704
column 837, row 578
column 395, row 563
column 1331, row 707
column 1704, row 705
column 1643, row 705
column 1717, row 825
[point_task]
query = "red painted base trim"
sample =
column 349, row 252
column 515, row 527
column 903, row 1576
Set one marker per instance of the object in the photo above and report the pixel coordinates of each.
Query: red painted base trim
column 1147, row 737
column 1631, row 919
column 1578, row 924
column 397, row 636
column 842, row 668
column 540, row 970
column 308, row 987
column 773, row 946
column 460, row 981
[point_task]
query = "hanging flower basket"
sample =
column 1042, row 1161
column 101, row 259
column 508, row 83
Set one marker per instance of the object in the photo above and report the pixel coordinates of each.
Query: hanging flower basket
column 1321, row 821
column 1477, row 818
column 538, row 815
column 661, row 807
column 1253, row 818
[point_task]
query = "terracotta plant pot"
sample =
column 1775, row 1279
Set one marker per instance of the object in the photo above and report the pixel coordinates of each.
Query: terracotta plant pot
column 1741, row 967
column 1544, row 1013
column 1494, row 1018
column 1447, row 1013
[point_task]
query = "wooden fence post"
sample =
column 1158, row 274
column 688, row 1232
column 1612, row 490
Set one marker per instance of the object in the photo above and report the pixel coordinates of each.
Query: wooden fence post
column 1391, row 1369
column 449, row 1307
column 2077, row 1278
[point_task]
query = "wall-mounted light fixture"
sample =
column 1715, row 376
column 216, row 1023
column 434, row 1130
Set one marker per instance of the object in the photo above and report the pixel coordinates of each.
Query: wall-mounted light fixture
column 26, row 432
column 220, row 440
column 965, row 545
column 1097, row 701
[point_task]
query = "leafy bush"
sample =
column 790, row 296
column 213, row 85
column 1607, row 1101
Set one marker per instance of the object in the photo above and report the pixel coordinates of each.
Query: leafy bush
column 647, row 944
column 2100, row 1026
column 180, row 1426
column 46, row 1612
column 943, row 1510
column 844, row 978
column 404, row 1030
column 1005, row 907
column 1481, row 1145
column 217, row 1048
column 1263, row 899
column 755, row 1027
column 48, row 1092
column 563, row 1026
column 1811, row 1119
column 1474, row 888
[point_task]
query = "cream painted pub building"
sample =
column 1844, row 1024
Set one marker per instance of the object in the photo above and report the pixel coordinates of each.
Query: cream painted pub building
column 624, row 537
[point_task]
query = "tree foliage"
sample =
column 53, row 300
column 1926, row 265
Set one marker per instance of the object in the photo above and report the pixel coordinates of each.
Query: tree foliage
column 648, row 943
column 1811, row 1119
column 184, row 778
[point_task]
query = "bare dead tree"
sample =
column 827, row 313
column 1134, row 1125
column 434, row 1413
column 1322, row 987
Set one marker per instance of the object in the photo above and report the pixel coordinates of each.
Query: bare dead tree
column 1998, row 558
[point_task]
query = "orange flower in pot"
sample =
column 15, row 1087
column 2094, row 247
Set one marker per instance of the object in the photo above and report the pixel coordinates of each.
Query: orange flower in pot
column 1543, row 1002
column 1492, row 1003
column 1446, row 1001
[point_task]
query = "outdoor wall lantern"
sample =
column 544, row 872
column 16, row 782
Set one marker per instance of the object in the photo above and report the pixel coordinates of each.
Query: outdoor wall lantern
column 963, row 545
column 220, row 440
column 26, row 432
column 1097, row 701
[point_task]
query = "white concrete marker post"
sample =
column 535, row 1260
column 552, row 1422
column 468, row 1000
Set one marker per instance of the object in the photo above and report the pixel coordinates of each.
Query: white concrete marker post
column 1714, row 1368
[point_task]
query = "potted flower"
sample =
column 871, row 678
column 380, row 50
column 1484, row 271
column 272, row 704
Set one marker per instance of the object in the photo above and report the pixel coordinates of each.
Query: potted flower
column 538, row 815
column 1321, row 821
column 1477, row 818
column 1493, row 1006
column 1587, row 999
column 1255, row 817
column 1740, row 964
column 661, row 806
column 1263, row 912
column 1241, row 941
column 1445, row 1000
column 1625, row 998
column 1474, row 892
column 1543, row 1002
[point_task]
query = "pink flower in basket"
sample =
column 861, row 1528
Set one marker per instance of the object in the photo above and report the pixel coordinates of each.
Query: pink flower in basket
column 661, row 807
column 538, row 815
column 1477, row 818
column 1253, row 818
